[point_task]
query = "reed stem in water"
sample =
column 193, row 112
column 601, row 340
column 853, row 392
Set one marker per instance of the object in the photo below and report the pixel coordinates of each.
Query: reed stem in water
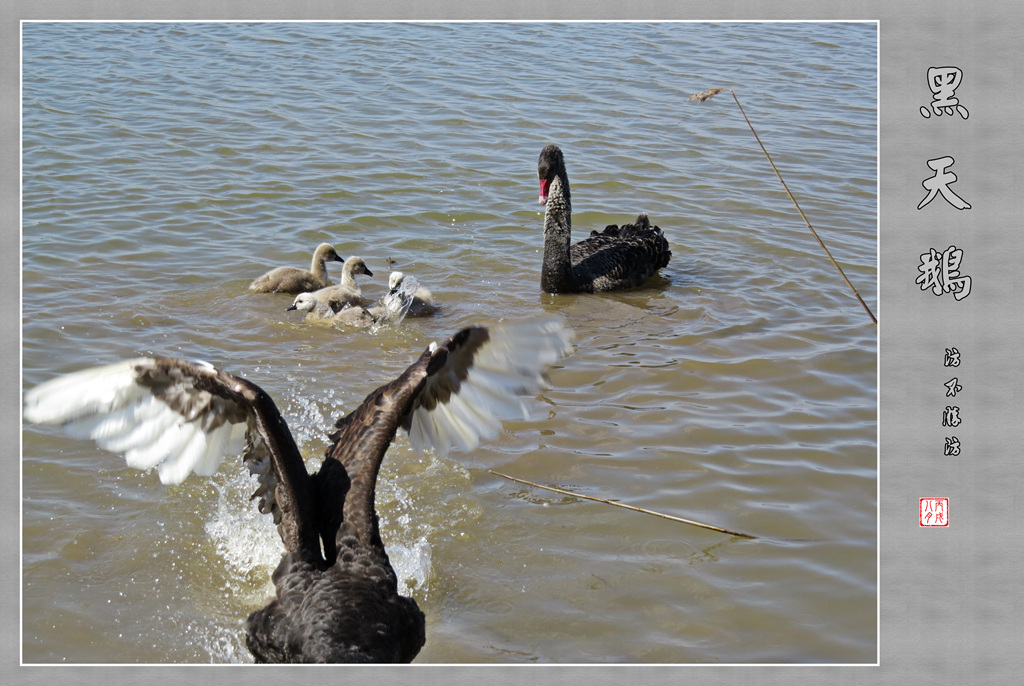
column 628, row 507
column 711, row 92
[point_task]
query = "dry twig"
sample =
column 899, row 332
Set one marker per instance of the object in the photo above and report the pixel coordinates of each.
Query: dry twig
column 628, row 507
column 711, row 92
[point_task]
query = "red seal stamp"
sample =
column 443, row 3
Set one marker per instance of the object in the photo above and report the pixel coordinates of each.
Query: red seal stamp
column 934, row 511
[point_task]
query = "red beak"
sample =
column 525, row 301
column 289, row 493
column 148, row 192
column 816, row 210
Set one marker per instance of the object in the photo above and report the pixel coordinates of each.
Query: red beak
column 544, row 185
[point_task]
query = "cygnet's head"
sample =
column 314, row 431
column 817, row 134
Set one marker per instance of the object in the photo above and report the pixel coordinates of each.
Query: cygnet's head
column 355, row 265
column 326, row 252
column 304, row 302
column 395, row 280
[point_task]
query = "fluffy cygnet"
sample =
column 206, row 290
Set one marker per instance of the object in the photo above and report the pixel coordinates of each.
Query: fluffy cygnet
column 319, row 313
column 347, row 292
column 423, row 303
column 295, row 280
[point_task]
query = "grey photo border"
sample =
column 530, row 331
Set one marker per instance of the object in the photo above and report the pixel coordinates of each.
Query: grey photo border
column 946, row 596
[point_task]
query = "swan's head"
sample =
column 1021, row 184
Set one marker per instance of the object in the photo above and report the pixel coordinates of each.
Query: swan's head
column 395, row 280
column 549, row 165
column 326, row 252
column 355, row 265
column 304, row 302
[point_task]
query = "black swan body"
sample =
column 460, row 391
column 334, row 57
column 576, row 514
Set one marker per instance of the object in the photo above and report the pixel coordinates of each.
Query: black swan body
column 617, row 258
column 337, row 594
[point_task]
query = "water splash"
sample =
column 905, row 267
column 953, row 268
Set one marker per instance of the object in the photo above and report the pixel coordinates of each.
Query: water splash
column 249, row 549
column 246, row 541
column 395, row 303
column 412, row 565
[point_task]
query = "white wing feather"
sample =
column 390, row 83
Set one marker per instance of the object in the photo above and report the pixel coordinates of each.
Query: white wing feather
column 107, row 405
column 86, row 393
column 510, row 364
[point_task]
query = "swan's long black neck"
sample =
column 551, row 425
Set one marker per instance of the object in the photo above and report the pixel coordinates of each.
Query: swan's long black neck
column 363, row 438
column 294, row 498
column 556, row 273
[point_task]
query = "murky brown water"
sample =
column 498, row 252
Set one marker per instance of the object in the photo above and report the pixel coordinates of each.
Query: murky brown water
column 738, row 389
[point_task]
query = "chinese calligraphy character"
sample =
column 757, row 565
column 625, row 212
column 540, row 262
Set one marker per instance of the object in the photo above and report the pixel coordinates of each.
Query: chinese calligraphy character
column 941, row 273
column 952, row 358
column 952, row 446
column 943, row 82
column 951, row 417
column 940, row 184
column 953, row 387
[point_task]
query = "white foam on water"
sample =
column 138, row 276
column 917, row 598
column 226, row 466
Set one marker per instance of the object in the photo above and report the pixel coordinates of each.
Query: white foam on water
column 246, row 541
column 412, row 565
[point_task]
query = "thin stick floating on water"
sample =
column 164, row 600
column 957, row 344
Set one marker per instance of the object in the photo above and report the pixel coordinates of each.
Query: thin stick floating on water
column 628, row 507
column 711, row 92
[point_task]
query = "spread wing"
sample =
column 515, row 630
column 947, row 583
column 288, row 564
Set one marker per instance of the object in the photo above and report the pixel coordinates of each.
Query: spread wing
column 182, row 417
column 453, row 395
column 481, row 380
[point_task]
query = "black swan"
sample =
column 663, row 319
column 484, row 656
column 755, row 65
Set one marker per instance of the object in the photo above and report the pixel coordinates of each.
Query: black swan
column 347, row 292
column 294, row 280
column 617, row 258
column 337, row 594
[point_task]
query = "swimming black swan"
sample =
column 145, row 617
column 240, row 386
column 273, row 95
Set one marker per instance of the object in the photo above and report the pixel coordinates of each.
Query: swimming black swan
column 619, row 257
column 347, row 292
column 337, row 594
column 294, row 280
